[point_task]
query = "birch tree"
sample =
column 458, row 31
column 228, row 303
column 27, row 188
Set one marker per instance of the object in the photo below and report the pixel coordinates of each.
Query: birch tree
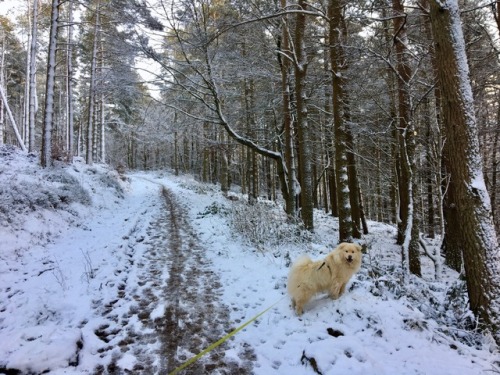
column 481, row 252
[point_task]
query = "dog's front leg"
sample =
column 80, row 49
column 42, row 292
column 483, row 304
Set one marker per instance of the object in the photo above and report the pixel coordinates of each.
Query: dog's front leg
column 334, row 291
column 342, row 289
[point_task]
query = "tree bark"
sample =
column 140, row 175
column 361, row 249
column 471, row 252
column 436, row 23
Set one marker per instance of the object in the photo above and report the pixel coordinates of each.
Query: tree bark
column 337, row 59
column 69, row 85
column 303, row 129
column 494, row 172
column 406, row 233
column 3, row 97
column 32, row 101
column 476, row 231
column 286, row 92
column 2, row 84
column 357, row 214
column 46, row 154
column 92, row 89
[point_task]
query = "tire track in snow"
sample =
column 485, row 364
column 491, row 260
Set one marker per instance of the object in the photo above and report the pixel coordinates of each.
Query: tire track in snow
column 175, row 296
column 194, row 317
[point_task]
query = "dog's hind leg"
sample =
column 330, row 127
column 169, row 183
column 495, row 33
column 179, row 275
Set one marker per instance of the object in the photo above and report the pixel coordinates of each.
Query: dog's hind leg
column 299, row 309
column 300, row 302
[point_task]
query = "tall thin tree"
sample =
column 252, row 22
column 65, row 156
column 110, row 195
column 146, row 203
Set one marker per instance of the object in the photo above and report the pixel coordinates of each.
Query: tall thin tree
column 32, row 101
column 286, row 92
column 2, row 84
column 48, row 117
column 337, row 58
column 92, row 90
column 408, row 227
column 303, row 130
column 69, row 84
column 481, row 251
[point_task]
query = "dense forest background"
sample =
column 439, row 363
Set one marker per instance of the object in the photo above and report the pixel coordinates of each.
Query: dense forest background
column 381, row 110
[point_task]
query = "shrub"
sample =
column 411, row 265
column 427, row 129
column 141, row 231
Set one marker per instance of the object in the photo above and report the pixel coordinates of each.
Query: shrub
column 264, row 224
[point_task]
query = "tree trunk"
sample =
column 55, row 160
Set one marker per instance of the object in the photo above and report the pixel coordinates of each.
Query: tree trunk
column 429, row 170
column 335, row 9
column 92, row 89
column 452, row 243
column 46, row 155
column 393, row 198
column 494, row 173
column 224, row 168
column 251, row 159
column 69, row 85
column 2, row 84
column 286, row 92
column 303, row 130
column 3, row 97
column 354, row 189
column 329, row 153
column 407, row 188
column 102, row 128
column 481, row 252
column 32, row 101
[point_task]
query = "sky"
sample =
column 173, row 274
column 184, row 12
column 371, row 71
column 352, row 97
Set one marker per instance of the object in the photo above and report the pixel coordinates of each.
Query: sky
column 146, row 68
column 8, row 7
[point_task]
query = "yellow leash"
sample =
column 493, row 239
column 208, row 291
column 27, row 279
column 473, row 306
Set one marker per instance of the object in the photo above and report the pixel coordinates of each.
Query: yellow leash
column 225, row 338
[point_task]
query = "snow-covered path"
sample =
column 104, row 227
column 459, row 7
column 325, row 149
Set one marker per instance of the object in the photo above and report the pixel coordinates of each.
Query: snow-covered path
column 154, row 268
column 79, row 288
column 194, row 316
column 130, row 289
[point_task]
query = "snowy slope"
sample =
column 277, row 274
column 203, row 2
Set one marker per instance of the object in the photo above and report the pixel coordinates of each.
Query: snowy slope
column 77, row 276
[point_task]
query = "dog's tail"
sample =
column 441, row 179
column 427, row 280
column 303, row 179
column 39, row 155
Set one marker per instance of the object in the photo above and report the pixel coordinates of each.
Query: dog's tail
column 300, row 261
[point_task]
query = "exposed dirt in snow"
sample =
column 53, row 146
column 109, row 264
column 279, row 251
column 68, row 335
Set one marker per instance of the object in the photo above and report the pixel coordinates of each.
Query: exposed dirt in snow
column 193, row 316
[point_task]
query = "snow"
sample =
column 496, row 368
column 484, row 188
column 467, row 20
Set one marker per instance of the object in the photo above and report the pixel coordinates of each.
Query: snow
column 61, row 268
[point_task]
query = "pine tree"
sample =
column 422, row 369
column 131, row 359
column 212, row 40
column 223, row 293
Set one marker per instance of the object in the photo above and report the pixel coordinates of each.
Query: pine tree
column 475, row 227
column 48, row 117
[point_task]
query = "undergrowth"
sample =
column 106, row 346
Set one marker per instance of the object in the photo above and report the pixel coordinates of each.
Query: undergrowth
column 447, row 305
column 265, row 225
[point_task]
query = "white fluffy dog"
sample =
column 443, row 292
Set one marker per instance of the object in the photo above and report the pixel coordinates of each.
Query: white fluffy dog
column 329, row 275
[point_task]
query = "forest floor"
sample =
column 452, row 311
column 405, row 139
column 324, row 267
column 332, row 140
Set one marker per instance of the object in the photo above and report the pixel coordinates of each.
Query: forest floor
column 196, row 300
column 126, row 287
column 176, row 271
column 102, row 273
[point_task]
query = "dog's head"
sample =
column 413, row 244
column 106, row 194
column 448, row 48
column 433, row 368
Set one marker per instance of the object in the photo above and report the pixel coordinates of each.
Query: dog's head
column 350, row 252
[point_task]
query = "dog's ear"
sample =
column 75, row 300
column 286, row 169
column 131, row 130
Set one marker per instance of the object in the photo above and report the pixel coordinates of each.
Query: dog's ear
column 341, row 245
